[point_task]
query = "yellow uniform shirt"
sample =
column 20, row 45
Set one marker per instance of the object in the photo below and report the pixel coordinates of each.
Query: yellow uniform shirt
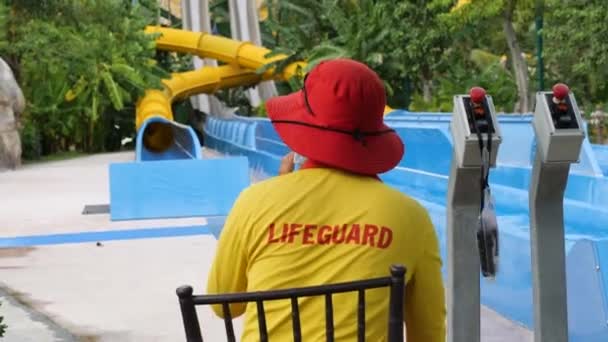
column 322, row 226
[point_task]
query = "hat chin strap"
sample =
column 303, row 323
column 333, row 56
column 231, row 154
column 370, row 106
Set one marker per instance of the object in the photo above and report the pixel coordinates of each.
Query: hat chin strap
column 357, row 134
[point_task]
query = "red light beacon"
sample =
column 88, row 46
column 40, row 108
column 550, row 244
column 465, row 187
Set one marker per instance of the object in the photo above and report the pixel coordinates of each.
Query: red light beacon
column 477, row 95
column 560, row 92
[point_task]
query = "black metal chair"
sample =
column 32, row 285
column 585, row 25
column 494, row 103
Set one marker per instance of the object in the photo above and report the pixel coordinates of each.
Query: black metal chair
column 396, row 282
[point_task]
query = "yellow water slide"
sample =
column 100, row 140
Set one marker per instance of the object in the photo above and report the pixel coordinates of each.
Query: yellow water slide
column 241, row 58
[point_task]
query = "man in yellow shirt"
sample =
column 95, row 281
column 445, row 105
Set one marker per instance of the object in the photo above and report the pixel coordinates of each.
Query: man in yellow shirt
column 333, row 220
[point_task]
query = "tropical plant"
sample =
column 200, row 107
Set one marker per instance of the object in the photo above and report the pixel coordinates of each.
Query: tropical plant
column 576, row 48
column 492, row 76
column 220, row 17
column 403, row 41
column 4, row 19
column 82, row 65
column 502, row 15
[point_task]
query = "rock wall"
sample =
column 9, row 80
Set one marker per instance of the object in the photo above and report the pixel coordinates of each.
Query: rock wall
column 12, row 104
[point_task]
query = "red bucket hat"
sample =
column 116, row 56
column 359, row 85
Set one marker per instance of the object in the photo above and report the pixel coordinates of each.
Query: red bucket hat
column 337, row 119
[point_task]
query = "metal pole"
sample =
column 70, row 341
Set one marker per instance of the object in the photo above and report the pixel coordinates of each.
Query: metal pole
column 395, row 324
column 464, row 196
column 548, row 250
column 240, row 19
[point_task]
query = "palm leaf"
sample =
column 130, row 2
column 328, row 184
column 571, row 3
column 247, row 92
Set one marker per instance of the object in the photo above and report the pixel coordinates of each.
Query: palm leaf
column 483, row 59
column 112, row 89
column 298, row 9
column 325, row 52
column 73, row 93
column 129, row 74
column 95, row 107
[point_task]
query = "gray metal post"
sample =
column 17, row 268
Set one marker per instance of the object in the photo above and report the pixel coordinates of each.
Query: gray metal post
column 211, row 102
column 463, row 209
column 464, row 195
column 547, row 188
column 240, row 27
column 559, row 134
column 188, row 18
column 267, row 89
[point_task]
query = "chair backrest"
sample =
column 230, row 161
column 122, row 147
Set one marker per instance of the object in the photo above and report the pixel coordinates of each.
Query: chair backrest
column 396, row 282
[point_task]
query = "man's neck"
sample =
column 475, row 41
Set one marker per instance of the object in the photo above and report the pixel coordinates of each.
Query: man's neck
column 313, row 164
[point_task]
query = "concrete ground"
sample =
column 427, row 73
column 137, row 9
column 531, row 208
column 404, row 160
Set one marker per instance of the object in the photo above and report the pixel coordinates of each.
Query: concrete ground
column 118, row 290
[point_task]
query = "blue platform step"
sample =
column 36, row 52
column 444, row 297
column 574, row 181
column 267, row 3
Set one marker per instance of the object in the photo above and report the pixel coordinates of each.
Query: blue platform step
column 176, row 188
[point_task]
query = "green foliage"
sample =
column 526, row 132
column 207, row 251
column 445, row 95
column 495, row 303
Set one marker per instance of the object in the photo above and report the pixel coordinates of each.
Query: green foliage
column 220, row 17
column 576, row 48
column 471, row 12
column 400, row 40
column 471, row 23
column 31, row 142
column 174, row 62
column 82, row 65
column 459, row 79
column 477, row 12
column 236, row 98
column 4, row 19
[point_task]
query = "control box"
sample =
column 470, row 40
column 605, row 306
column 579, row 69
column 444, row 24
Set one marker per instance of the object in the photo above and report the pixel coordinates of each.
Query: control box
column 558, row 125
column 473, row 118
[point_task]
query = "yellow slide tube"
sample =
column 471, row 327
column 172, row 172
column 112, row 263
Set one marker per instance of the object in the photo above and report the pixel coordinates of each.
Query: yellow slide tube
column 181, row 85
column 242, row 59
column 208, row 80
column 234, row 52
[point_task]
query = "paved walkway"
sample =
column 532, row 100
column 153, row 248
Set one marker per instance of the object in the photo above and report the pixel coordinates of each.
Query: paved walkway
column 119, row 290
column 27, row 325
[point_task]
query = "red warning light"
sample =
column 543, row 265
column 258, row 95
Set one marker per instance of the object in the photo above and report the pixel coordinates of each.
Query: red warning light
column 477, row 94
column 560, row 91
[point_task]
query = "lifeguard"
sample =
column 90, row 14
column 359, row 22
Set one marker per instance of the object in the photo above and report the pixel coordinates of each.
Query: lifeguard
column 333, row 220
